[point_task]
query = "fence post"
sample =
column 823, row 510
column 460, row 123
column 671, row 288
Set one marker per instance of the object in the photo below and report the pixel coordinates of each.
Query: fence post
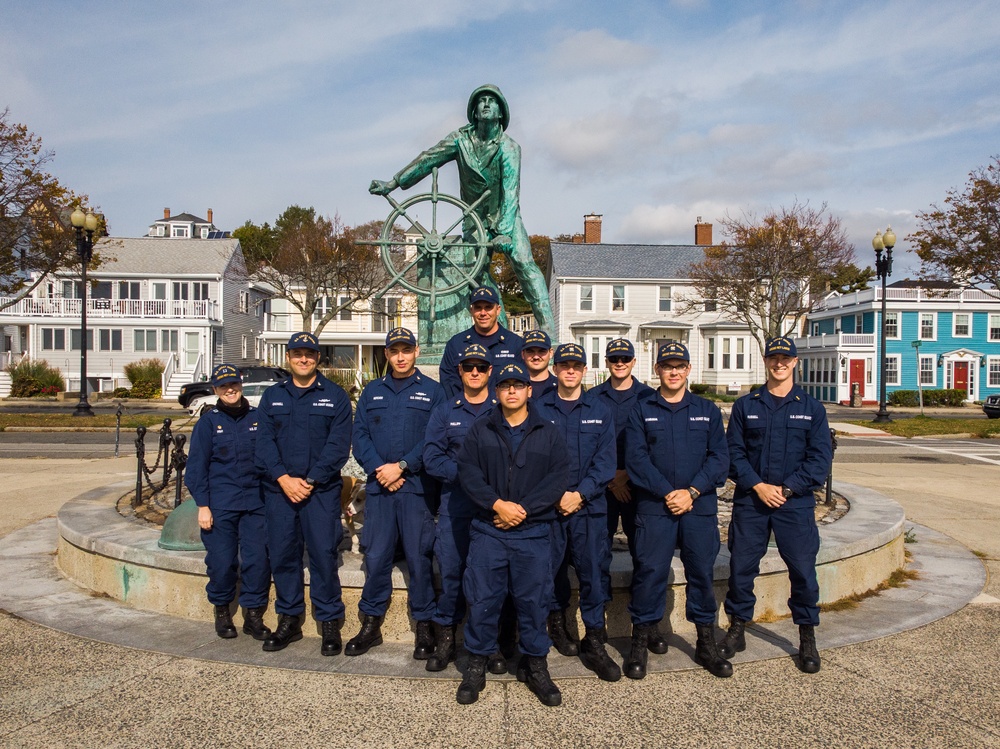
column 166, row 439
column 829, row 479
column 140, row 456
column 180, row 460
column 118, row 427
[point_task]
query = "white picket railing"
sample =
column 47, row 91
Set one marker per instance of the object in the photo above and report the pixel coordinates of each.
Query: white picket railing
column 203, row 309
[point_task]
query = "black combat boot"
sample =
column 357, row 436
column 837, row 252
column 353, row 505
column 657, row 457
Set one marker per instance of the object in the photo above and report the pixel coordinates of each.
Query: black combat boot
column 289, row 630
column 368, row 637
column 635, row 664
column 496, row 664
column 224, row 626
column 534, row 671
column 596, row 658
column 423, row 641
column 331, row 637
column 559, row 636
column 656, row 642
column 707, row 652
column 253, row 623
column 473, row 681
column 809, row 661
column 444, row 647
column 735, row 640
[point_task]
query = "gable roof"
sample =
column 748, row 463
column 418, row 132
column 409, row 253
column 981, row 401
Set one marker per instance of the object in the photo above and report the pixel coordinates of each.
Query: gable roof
column 181, row 218
column 603, row 261
column 162, row 256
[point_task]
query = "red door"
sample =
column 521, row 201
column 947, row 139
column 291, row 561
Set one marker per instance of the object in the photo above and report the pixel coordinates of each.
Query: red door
column 962, row 376
column 858, row 375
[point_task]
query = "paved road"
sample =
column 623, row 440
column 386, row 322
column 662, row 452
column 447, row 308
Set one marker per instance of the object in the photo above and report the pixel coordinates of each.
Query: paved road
column 924, row 450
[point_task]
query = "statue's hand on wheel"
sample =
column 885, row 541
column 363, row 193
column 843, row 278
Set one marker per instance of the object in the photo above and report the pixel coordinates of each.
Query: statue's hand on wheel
column 378, row 187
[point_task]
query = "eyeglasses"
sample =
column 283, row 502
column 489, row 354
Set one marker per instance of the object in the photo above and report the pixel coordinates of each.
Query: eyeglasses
column 466, row 367
column 673, row 367
column 512, row 385
column 620, row 359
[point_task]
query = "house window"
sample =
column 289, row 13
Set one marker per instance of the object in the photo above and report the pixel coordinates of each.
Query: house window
column 243, row 339
column 995, row 327
column 711, row 305
column 726, row 344
column 378, row 316
column 892, row 325
column 595, row 352
column 815, row 328
column 859, row 323
column 200, row 291
column 161, row 230
column 101, row 290
column 928, row 322
column 168, row 340
column 993, row 370
column 75, row 338
column 109, row 339
column 160, row 290
column 244, row 303
column 711, row 353
column 143, row 341
column 128, row 289
column 618, row 298
column 71, row 289
column 204, row 235
column 586, row 298
column 345, row 308
column 962, row 327
column 928, row 370
column 322, row 307
column 180, row 232
column 665, row 299
column 53, row 339
column 892, row 370
column 740, row 353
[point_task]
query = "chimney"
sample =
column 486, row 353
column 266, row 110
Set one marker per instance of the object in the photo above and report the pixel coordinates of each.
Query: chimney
column 702, row 234
column 577, row 239
column 166, row 213
column 592, row 228
column 209, row 215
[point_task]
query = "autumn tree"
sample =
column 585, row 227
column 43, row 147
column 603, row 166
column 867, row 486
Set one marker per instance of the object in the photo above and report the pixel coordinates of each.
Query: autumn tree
column 506, row 280
column 36, row 238
column 314, row 262
column 762, row 275
column 961, row 242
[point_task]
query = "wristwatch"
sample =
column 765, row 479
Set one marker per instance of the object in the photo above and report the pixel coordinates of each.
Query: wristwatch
column 786, row 492
column 402, row 465
column 693, row 492
column 311, row 482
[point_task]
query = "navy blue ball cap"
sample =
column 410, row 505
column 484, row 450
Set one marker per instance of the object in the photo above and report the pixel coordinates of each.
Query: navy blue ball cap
column 569, row 352
column 780, row 345
column 537, row 339
column 304, row 339
column 672, row 350
column 513, row 372
column 620, row 347
column 484, row 294
column 474, row 351
column 400, row 335
column 224, row 374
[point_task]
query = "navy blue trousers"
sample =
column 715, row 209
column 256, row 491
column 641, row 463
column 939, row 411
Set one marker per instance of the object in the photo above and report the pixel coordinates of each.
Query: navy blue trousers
column 451, row 549
column 236, row 548
column 797, row 537
column 624, row 511
column 656, row 537
column 502, row 562
column 582, row 540
column 314, row 525
column 390, row 518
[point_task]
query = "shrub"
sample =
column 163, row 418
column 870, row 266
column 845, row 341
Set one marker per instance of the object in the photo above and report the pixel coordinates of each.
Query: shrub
column 911, row 398
column 699, row 388
column 145, row 376
column 31, row 378
column 120, row 393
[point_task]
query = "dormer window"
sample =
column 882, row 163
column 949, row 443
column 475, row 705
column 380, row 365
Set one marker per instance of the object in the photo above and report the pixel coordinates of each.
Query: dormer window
column 204, row 232
column 180, row 232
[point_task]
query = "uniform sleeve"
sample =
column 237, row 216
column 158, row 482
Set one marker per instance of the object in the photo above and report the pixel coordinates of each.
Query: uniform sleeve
column 605, row 461
column 438, row 155
column 364, row 447
column 268, row 456
column 549, row 490
column 713, row 471
column 415, row 455
column 448, row 375
column 638, row 463
column 199, row 458
column 338, row 444
column 471, row 471
column 437, row 462
column 740, row 470
column 815, row 469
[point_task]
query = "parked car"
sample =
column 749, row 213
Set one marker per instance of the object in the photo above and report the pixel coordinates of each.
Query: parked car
column 256, row 373
column 991, row 407
column 251, row 391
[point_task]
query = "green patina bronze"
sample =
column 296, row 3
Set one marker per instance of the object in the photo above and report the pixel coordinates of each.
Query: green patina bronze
column 442, row 268
column 180, row 530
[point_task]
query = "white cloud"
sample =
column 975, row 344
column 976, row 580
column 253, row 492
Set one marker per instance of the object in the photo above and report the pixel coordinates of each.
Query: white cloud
column 595, row 50
column 667, row 223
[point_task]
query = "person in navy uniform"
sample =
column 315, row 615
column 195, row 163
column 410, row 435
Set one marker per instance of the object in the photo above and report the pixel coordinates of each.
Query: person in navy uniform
column 780, row 451
column 446, row 430
column 677, row 459
column 225, row 484
column 390, row 426
column 621, row 391
column 304, row 440
column 580, row 533
column 536, row 354
column 502, row 345
column 514, row 467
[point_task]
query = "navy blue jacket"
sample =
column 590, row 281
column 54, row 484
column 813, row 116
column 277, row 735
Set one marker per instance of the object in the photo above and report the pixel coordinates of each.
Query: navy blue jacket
column 390, row 427
column 304, row 432
column 675, row 448
column 535, row 477
column 221, row 472
column 503, row 346
column 590, row 441
column 538, row 389
column 788, row 445
column 621, row 403
column 446, row 432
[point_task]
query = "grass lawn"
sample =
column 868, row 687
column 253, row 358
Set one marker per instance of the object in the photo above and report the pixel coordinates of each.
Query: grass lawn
column 129, row 421
column 923, row 426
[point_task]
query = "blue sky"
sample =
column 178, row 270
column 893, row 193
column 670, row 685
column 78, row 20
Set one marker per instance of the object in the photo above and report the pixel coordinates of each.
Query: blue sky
column 650, row 113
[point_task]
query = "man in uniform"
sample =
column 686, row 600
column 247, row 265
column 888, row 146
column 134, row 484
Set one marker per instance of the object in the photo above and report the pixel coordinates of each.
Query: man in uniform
column 580, row 532
column 303, row 440
column 502, row 346
column 390, row 425
column 446, row 430
column 780, row 451
column 677, row 459
column 513, row 466
column 536, row 354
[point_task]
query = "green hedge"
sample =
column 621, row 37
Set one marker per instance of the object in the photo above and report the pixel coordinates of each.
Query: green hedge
column 31, row 378
column 911, row 398
column 146, row 378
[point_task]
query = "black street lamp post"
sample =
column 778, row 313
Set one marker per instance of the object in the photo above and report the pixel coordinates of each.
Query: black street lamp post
column 883, row 269
column 85, row 248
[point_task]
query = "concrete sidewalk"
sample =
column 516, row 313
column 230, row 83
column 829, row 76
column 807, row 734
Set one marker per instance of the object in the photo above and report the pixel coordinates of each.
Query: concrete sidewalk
column 931, row 686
